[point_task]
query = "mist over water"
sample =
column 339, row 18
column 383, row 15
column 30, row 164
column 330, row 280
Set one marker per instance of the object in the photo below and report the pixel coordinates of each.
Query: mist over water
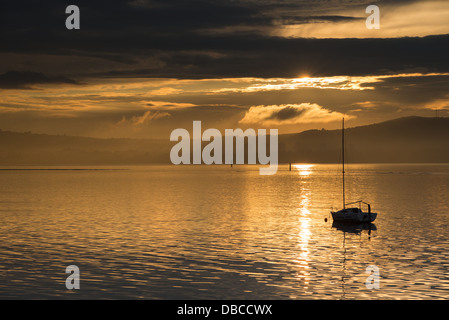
column 215, row 232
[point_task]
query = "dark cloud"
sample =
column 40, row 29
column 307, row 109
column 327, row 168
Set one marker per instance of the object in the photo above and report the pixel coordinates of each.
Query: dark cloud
column 310, row 19
column 259, row 56
column 23, row 80
column 181, row 40
column 286, row 113
column 412, row 90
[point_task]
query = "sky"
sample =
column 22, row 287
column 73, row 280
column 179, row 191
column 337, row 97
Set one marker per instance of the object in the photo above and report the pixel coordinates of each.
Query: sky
column 142, row 68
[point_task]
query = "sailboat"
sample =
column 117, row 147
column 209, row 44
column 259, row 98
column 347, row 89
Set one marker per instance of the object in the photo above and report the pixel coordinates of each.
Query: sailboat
column 351, row 214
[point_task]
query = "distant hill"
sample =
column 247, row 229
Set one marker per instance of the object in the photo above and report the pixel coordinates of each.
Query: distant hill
column 407, row 140
column 41, row 149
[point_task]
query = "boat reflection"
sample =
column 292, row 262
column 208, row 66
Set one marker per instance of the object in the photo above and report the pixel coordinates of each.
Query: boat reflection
column 353, row 227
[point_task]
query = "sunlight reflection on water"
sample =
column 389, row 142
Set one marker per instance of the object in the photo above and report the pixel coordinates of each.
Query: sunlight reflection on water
column 221, row 233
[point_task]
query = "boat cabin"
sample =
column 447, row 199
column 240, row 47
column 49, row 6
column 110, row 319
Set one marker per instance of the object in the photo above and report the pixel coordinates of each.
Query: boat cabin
column 352, row 210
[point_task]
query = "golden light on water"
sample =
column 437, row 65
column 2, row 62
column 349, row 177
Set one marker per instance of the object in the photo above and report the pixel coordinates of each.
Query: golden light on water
column 304, row 228
column 304, row 169
column 303, row 259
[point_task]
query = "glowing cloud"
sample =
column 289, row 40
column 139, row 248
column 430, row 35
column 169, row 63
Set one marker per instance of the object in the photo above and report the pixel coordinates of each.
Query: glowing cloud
column 291, row 114
column 412, row 19
column 145, row 118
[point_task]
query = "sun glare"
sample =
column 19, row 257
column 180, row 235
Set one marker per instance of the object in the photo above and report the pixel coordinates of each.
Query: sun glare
column 304, row 169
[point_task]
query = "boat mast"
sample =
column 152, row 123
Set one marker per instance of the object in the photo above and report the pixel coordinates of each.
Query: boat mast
column 343, row 158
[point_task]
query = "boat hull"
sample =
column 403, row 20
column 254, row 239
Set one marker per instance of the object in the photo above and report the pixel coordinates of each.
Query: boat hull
column 345, row 216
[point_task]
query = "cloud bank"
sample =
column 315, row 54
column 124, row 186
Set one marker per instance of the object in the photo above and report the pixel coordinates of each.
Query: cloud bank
column 291, row 114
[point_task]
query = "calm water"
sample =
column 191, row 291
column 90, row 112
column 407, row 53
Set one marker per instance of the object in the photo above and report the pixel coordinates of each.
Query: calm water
column 201, row 232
